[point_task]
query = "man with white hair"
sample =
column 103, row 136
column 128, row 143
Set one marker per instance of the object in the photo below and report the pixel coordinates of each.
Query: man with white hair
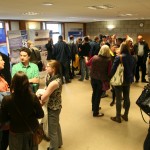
column 141, row 49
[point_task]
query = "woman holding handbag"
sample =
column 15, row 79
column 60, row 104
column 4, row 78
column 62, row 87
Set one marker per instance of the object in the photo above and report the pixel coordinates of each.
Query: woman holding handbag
column 22, row 109
column 128, row 63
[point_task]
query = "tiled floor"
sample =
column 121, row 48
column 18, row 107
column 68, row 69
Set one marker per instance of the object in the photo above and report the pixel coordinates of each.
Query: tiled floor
column 83, row 132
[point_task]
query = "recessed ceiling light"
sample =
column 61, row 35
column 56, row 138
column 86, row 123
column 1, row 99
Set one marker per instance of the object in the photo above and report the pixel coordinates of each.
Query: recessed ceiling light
column 72, row 17
column 101, row 7
column 124, row 15
column 92, row 7
column 47, row 4
column 30, row 13
column 105, row 7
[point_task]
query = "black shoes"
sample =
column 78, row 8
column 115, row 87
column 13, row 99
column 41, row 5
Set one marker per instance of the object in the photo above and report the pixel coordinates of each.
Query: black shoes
column 125, row 118
column 116, row 119
column 52, row 148
column 144, row 81
column 46, row 138
column 68, row 81
column 112, row 103
column 104, row 95
column 80, row 79
column 98, row 115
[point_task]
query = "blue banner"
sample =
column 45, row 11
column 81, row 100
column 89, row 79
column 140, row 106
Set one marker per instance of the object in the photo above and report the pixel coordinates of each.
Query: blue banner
column 2, row 36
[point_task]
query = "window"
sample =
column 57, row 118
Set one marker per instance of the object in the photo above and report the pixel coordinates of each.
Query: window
column 55, row 31
column 1, row 25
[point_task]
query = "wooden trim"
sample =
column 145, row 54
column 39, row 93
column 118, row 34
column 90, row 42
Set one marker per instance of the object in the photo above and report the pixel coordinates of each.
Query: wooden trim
column 22, row 25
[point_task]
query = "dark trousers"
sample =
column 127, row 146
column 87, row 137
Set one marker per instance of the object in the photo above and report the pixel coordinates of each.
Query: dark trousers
column 96, row 95
column 140, row 63
column 4, row 140
column 113, row 94
column 147, row 141
column 64, row 71
column 126, row 91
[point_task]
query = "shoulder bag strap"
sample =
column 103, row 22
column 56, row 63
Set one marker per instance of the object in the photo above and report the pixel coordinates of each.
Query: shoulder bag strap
column 143, row 117
column 121, row 59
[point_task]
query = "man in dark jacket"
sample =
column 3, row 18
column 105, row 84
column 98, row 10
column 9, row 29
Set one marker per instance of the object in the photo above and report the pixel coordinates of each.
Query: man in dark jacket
column 84, row 52
column 62, row 54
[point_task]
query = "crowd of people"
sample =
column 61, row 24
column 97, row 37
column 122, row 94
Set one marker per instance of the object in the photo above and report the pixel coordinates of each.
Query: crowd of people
column 21, row 106
column 96, row 60
column 102, row 56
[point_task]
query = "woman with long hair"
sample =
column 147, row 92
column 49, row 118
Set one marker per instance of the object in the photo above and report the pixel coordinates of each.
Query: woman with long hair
column 52, row 96
column 128, row 63
column 20, row 108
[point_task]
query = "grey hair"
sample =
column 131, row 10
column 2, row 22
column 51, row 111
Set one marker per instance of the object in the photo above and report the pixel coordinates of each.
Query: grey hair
column 104, row 51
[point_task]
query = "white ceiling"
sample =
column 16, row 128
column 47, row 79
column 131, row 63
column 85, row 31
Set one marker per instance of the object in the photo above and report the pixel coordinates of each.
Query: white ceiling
column 75, row 10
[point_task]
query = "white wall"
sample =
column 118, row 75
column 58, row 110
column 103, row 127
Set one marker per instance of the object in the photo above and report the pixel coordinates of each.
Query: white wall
column 14, row 25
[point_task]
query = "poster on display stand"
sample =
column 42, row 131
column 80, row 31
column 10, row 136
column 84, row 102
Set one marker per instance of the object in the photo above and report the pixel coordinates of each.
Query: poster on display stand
column 40, row 38
column 17, row 39
column 76, row 34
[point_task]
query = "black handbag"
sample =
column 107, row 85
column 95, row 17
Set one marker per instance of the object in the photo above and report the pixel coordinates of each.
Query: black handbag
column 144, row 100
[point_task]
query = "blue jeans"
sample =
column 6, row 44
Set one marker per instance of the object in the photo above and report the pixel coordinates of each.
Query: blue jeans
column 54, row 129
column 84, row 69
column 96, row 95
column 126, row 91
